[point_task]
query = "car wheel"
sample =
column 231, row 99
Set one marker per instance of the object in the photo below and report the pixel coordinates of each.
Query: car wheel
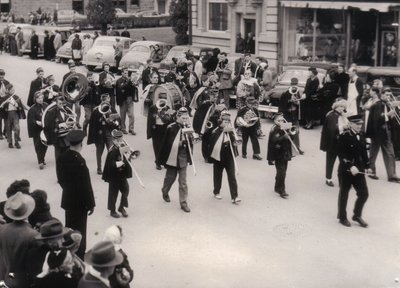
column 90, row 67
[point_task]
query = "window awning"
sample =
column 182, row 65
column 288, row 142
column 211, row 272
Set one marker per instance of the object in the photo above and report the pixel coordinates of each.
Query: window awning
column 363, row 6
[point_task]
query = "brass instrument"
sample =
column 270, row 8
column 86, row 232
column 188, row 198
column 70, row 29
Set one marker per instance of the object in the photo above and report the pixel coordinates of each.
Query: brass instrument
column 209, row 125
column 110, row 118
column 186, row 130
column 128, row 153
column 163, row 111
column 70, row 122
column 290, row 130
column 393, row 103
column 249, row 119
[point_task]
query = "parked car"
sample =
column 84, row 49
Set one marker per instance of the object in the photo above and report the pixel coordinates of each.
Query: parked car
column 140, row 51
column 69, row 16
column 119, row 13
column 103, row 50
column 390, row 77
column 39, row 30
column 64, row 53
column 268, row 108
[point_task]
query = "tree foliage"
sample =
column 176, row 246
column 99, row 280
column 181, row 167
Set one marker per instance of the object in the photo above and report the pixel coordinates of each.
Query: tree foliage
column 100, row 13
column 178, row 11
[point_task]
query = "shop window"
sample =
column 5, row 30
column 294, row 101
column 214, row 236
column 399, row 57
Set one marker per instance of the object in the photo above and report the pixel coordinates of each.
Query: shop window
column 218, row 16
column 315, row 37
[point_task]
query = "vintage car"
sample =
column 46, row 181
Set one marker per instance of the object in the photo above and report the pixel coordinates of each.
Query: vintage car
column 64, row 53
column 140, row 51
column 69, row 16
column 268, row 107
column 103, row 51
column 121, row 14
column 390, row 77
column 39, row 30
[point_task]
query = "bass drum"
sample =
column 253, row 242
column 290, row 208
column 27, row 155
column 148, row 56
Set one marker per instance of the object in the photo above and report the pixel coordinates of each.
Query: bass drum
column 173, row 93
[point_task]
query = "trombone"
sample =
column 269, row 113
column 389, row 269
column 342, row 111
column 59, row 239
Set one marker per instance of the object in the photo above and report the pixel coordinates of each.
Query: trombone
column 187, row 128
column 288, row 126
column 128, row 153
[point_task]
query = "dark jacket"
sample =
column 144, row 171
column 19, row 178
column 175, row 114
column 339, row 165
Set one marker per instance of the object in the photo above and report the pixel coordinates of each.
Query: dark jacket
column 240, row 67
column 36, row 85
column 125, row 264
column 56, row 279
column 76, row 44
column 343, row 80
column 99, row 127
column 330, row 132
column 311, row 88
column 50, row 98
column 40, row 215
column 146, row 76
column 166, row 146
column 89, row 281
column 124, row 89
column 74, row 178
column 377, row 128
column 288, row 107
column 199, row 116
column 35, row 114
column 151, row 120
column 352, row 152
column 215, row 134
column 279, row 147
column 111, row 173
column 92, row 96
column 51, row 128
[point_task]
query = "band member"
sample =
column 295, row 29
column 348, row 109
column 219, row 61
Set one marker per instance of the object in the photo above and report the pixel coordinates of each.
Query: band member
column 107, row 83
column 289, row 106
column 91, row 100
column 50, row 90
column 209, row 90
column 222, row 149
column 77, row 196
column 3, row 94
column 159, row 117
column 35, row 127
column 126, row 94
column 148, row 92
column 36, row 85
column 379, row 129
column 56, row 127
column 116, row 172
column 175, row 155
column 14, row 109
column 311, row 102
column 247, row 87
column 354, row 163
column 104, row 119
column 279, row 153
column 147, row 74
column 72, row 70
column 247, row 119
column 328, row 94
column 334, row 125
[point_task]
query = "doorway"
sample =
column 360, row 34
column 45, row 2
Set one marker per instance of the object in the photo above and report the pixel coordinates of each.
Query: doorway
column 249, row 32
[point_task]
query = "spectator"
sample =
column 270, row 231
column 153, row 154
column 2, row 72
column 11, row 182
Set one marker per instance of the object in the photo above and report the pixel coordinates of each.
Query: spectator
column 87, row 44
column 156, row 54
column 17, row 186
column 19, row 37
column 57, row 42
column 240, row 45
column 126, row 33
column 250, row 43
column 47, row 46
column 34, row 45
column 41, row 214
column 118, row 50
column 76, row 47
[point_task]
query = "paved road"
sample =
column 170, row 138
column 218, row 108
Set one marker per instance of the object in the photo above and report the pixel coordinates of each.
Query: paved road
column 264, row 242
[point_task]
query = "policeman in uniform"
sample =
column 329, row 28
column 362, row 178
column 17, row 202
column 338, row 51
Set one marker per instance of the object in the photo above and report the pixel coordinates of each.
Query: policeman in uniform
column 354, row 163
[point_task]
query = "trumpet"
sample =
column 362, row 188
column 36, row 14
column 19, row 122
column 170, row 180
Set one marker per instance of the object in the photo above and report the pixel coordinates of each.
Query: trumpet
column 128, row 153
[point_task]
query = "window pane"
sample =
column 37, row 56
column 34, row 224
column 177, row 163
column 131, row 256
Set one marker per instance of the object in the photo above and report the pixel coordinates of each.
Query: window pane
column 218, row 15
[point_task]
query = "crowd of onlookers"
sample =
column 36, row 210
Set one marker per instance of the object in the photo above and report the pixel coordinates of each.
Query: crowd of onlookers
column 38, row 251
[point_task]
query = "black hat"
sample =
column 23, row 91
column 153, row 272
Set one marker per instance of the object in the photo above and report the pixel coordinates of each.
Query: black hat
column 103, row 254
column 357, row 119
column 294, row 81
column 75, row 137
column 51, row 229
column 116, row 133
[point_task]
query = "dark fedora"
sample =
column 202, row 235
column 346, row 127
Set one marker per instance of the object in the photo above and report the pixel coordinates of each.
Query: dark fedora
column 51, row 229
column 103, row 254
column 19, row 206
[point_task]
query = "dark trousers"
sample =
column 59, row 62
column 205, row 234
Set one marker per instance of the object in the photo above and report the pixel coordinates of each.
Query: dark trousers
column 170, row 177
column 346, row 180
column 121, row 185
column 281, row 167
column 12, row 125
column 57, row 152
column 330, row 162
column 252, row 133
column 387, row 153
column 77, row 220
column 40, row 149
column 157, row 136
column 100, row 145
column 229, row 166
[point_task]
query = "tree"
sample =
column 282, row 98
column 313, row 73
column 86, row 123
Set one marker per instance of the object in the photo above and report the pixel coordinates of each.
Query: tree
column 178, row 11
column 100, row 13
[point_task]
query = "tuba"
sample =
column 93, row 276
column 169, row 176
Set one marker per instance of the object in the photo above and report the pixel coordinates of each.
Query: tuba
column 164, row 112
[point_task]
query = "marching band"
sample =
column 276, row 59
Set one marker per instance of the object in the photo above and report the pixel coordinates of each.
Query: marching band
column 53, row 116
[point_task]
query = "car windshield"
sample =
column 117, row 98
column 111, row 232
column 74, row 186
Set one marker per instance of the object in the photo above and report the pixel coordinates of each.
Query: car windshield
column 104, row 43
column 140, row 49
column 287, row 75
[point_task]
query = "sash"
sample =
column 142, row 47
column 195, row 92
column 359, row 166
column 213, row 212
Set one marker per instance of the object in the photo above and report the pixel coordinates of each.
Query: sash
column 173, row 154
column 216, row 153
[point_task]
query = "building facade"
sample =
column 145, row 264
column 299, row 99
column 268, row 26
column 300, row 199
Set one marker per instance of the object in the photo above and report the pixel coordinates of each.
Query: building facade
column 218, row 23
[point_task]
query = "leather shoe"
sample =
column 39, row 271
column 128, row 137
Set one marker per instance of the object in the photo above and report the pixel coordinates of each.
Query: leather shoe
column 257, row 157
column 185, row 207
column 166, row 198
column 41, row 166
column 283, row 194
column 123, row 212
column 373, row 176
column 329, row 183
column 345, row 222
column 114, row 214
column 158, row 167
column 17, row 145
column 125, row 132
column 237, row 200
column 301, row 152
column 244, row 156
column 132, row 132
column 394, row 180
column 218, row 196
column 99, row 172
column 10, row 145
column 360, row 221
